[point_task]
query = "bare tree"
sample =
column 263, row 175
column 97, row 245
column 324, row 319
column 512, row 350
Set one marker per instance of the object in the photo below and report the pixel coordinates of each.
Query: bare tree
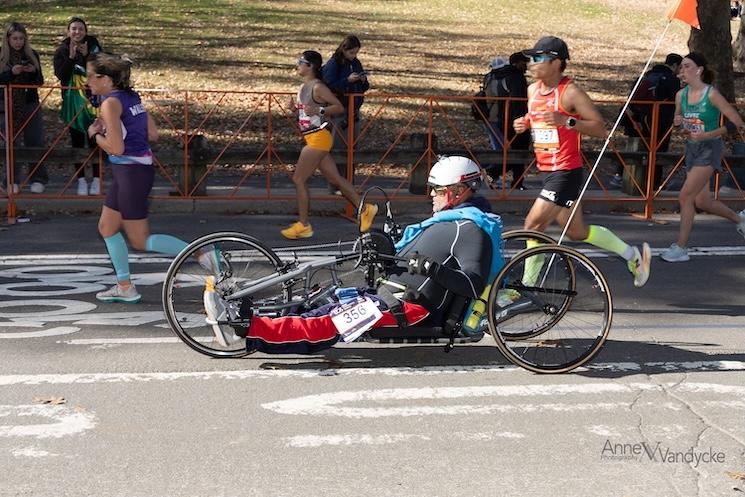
column 714, row 41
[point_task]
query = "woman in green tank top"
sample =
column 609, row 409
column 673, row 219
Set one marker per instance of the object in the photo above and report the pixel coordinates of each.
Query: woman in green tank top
column 698, row 108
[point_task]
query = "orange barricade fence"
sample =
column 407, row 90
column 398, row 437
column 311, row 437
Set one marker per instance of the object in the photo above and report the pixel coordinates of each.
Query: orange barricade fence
column 223, row 145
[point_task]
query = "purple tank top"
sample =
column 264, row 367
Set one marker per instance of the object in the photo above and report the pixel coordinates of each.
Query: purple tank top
column 134, row 129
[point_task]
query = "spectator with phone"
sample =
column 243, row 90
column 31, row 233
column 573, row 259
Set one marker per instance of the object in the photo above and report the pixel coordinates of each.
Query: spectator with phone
column 20, row 65
column 344, row 74
column 69, row 67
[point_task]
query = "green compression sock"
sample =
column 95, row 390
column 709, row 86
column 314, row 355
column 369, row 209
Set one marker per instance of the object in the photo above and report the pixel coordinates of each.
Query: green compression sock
column 533, row 264
column 605, row 239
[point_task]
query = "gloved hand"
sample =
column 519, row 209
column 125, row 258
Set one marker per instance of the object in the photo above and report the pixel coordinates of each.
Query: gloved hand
column 419, row 264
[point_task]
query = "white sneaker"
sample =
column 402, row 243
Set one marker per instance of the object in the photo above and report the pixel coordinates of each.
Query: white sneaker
column 95, row 188
column 82, row 187
column 119, row 294
column 640, row 265
column 741, row 224
column 15, row 189
column 37, row 187
column 675, row 254
column 209, row 259
column 216, row 311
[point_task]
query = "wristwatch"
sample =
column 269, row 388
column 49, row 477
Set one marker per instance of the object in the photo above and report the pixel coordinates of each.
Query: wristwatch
column 571, row 123
column 322, row 111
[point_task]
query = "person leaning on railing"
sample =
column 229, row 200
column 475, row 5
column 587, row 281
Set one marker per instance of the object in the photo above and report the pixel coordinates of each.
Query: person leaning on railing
column 20, row 65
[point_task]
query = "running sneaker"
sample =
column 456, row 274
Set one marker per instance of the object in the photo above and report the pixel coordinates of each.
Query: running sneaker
column 675, row 254
column 117, row 293
column 95, row 188
column 209, row 259
column 640, row 265
column 82, row 187
column 741, row 224
column 298, row 230
column 507, row 296
column 367, row 216
column 216, row 311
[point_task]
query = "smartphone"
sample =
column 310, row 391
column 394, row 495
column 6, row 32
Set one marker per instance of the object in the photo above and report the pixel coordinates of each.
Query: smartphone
column 25, row 62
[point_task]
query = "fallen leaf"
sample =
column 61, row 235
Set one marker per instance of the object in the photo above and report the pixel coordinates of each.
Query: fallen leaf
column 52, row 401
column 735, row 476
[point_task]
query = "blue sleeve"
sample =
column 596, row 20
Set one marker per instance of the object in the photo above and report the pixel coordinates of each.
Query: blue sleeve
column 335, row 79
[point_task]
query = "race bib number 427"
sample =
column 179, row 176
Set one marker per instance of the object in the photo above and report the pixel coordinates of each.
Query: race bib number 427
column 354, row 318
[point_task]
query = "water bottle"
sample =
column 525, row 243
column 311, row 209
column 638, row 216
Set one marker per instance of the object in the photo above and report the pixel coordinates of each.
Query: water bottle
column 472, row 320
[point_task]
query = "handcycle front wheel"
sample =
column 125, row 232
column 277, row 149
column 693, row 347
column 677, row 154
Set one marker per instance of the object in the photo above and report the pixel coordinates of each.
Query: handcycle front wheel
column 234, row 260
column 550, row 309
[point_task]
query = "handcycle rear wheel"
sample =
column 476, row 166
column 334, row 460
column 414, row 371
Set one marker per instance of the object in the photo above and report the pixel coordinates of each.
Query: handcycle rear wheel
column 515, row 241
column 560, row 319
column 235, row 260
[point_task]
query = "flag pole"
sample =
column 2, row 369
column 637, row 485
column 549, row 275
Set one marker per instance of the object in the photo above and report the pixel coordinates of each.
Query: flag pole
column 613, row 130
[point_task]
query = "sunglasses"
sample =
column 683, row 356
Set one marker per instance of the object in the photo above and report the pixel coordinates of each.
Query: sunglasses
column 440, row 191
column 538, row 58
column 302, row 61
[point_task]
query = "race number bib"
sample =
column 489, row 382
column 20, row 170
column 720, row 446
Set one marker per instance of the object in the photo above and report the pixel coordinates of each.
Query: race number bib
column 693, row 124
column 354, row 318
column 545, row 138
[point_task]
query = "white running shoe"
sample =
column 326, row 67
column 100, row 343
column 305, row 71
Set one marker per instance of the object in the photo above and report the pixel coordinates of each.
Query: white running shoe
column 37, row 187
column 95, row 188
column 741, row 224
column 117, row 293
column 209, row 259
column 640, row 265
column 216, row 311
column 82, row 187
column 675, row 254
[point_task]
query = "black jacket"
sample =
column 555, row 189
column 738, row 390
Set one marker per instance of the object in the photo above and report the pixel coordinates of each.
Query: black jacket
column 25, row 78
column 64, row 65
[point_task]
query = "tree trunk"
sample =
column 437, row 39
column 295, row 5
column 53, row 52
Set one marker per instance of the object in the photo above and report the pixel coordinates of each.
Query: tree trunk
column 714, row 41
column 738, row 49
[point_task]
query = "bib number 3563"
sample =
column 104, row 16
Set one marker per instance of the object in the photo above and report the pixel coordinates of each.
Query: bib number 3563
column 354, row 318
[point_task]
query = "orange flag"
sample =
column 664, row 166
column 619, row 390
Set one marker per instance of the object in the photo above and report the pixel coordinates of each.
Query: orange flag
column 684, row 10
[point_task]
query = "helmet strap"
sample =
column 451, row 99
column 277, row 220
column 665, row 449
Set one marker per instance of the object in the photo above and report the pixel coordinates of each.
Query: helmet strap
column 451, row 199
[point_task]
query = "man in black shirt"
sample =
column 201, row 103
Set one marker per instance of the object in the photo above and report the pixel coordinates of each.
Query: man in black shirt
column 453, row 253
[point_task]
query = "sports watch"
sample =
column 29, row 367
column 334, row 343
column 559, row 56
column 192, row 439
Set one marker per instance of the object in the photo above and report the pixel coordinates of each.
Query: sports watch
column 571, row 123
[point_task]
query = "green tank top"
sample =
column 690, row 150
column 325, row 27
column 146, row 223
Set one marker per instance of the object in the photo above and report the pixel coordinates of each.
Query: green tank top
column 701, row 116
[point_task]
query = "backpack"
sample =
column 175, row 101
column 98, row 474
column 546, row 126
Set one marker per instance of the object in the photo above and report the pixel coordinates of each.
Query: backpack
column 480, row 108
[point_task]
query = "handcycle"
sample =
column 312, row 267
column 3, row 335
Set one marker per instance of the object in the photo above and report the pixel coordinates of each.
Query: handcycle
column 549, row 309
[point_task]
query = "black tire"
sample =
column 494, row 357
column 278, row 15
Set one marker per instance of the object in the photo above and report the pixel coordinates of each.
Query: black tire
column 242, row 259
column 560, row 320
column 514, row 241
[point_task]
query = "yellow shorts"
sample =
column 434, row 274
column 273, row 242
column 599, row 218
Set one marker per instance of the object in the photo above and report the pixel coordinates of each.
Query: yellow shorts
column 319, row 140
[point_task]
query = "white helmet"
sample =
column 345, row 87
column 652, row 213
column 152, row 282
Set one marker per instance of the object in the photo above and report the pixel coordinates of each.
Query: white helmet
column 453, row 170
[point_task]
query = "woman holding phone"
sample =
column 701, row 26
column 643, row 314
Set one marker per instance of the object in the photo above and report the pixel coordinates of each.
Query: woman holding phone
column 20, row 65
column 344, row 74
column 313, row 103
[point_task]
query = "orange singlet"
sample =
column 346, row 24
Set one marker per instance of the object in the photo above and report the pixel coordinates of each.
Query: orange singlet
column 556, row 149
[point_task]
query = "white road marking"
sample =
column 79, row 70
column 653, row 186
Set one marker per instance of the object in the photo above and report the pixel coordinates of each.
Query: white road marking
column 91, row 378
column 64, row 421
column 337, row 404
column 305, row 441
column 31, row 452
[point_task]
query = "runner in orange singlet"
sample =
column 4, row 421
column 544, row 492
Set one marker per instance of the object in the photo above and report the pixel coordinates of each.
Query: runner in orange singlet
column 558, row 113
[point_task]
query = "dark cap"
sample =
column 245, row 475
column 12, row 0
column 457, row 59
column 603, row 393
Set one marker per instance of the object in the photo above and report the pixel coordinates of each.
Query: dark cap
column 550, row 45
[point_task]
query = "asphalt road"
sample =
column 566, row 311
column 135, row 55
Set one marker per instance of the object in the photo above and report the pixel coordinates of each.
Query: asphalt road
column 131, row 411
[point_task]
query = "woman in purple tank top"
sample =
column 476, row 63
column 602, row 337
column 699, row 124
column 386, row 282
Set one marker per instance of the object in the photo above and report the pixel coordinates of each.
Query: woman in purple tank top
column 124, row 130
